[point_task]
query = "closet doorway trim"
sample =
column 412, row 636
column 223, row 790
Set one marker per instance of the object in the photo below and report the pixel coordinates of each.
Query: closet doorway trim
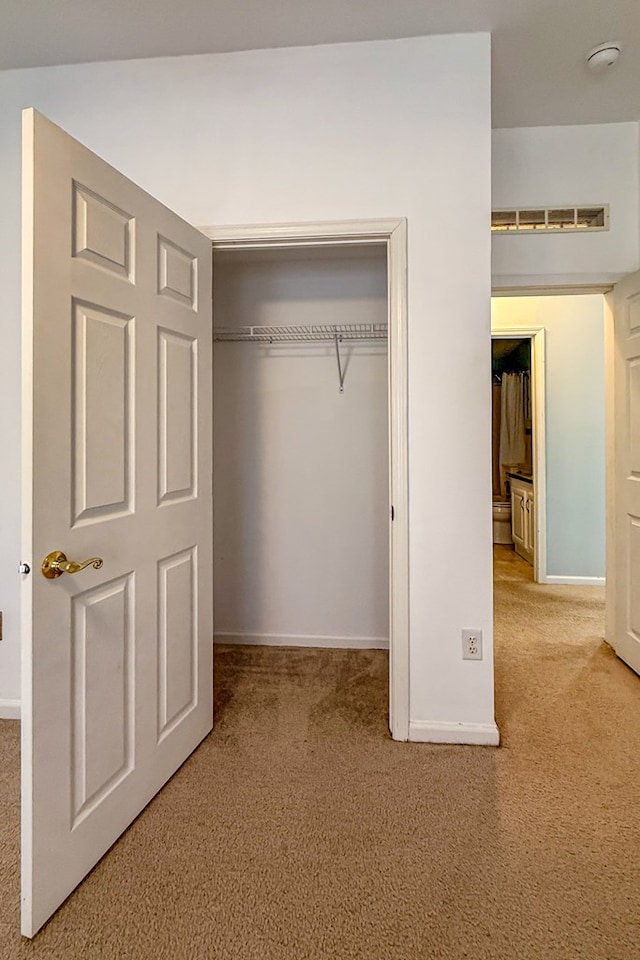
column 393, row 233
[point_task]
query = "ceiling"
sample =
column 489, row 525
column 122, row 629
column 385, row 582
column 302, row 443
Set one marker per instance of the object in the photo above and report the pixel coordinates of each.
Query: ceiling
column 539, row 46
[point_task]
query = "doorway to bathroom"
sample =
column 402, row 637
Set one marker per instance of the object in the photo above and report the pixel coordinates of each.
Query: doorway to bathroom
column 561, row 507
column 517, row 449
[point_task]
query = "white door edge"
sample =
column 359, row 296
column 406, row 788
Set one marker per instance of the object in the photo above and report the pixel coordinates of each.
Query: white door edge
column 393, row 233
column 610, row 468
column 537, row 336
column 622, row 358
column 26, row 506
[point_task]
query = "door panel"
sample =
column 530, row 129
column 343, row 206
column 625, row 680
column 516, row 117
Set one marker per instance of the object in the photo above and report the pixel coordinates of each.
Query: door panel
column 117, row 664
column 102, row 685
column 177, row 655
column 530, row 532
column 102, row 234
column 177, row 273
column 623, row 494
column 517, row 516
column 103, row 344
column 177, row 366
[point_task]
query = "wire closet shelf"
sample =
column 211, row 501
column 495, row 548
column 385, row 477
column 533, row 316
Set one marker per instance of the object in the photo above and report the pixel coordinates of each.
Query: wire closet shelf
column 335, row 333
column 307, row 333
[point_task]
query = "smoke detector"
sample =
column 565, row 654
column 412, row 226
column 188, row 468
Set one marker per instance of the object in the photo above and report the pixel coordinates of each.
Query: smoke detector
column 603, row 56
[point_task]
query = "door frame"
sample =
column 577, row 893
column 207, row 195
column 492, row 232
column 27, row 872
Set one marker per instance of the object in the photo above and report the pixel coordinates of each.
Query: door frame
column 393, row 234
column 536, row 335
column 610, row 466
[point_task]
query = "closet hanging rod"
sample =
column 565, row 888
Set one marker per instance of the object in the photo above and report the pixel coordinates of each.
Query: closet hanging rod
column 306, row 333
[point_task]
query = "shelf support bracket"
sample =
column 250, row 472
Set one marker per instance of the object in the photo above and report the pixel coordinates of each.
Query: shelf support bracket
column 338, row 338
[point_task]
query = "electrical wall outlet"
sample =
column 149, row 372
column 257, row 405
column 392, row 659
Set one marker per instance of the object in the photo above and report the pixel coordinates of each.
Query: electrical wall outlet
column 472, row 644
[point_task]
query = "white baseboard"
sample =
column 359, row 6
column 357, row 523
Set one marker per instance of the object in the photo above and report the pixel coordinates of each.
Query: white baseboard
column 574, row 581
column 306, row 640
column 9, row 709
column 436, row 731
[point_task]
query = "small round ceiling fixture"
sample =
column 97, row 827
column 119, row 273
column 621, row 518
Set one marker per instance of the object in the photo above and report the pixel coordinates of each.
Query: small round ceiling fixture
column 604, row 55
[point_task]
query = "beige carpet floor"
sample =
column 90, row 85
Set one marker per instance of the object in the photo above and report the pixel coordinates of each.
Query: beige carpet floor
column 300, row 830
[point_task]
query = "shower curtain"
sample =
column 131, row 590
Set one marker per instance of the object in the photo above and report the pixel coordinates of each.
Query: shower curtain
column 512, row 426
column 496, row 413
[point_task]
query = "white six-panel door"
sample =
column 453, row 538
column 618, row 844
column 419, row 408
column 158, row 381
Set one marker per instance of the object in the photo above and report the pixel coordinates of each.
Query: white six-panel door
column 623, row 494
column 117, row 664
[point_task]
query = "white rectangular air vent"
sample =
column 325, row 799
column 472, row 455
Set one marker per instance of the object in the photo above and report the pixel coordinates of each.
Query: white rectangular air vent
column 550, row 219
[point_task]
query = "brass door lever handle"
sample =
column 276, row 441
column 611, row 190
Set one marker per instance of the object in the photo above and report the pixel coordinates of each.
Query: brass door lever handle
column 56, row 563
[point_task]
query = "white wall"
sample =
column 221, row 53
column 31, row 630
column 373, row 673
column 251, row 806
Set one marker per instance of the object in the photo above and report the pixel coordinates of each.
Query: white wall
column 389, row 129
column 545, row 166
column 301, row 507
column 575, row 424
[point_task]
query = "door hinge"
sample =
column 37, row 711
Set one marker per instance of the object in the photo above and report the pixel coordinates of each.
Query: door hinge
column 393, row 513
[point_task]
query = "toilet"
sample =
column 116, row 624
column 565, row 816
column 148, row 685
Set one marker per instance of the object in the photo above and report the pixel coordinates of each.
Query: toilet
column 502, row 521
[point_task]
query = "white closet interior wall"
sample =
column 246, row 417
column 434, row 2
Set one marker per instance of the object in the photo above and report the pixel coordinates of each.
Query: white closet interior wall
column 301, row 470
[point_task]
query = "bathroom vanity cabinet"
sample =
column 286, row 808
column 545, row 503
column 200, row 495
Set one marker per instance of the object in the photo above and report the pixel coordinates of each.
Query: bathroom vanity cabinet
column 522, row 517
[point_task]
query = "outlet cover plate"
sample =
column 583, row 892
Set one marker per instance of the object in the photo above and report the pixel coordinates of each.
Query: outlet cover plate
column 472, row 644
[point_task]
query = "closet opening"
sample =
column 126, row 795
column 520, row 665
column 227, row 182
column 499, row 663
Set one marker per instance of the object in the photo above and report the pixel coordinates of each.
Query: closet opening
column 305, row 417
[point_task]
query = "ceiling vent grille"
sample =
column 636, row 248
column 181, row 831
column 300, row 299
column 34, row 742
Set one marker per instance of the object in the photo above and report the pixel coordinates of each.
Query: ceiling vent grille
column 551, row 219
